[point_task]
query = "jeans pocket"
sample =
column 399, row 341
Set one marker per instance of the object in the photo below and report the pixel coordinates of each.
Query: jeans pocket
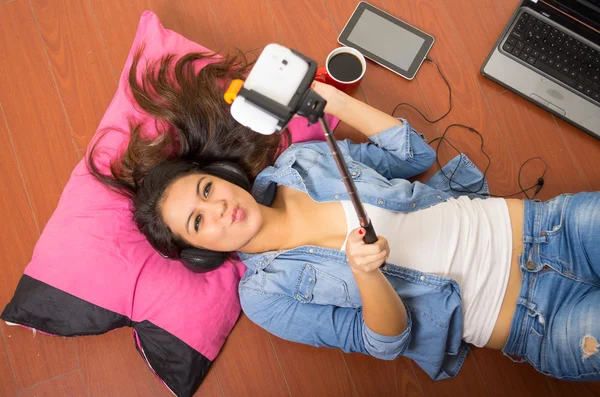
column 535, row 350
column 556, row 213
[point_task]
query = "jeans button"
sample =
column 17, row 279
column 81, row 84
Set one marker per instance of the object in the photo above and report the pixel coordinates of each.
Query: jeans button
column 530, row 265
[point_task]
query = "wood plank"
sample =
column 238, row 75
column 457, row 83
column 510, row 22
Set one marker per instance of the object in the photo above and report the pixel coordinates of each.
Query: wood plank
column 39, row 130
column 36, row 358
column 374, row 377
column 18, row 234
column 530, row 132
column 39, row 134
column 584, row 149
column 503, row 377
column 305, row 27
column 563, row 388
column 70, row 385
column 324, row 367
column 485, row 17
column 8, row 382
column 468, row 382
column 118, row 21
column 248, row 365
column 111, row 366
column 509, row 7
column 193, row 19
column 246, row 25
column 79, row 63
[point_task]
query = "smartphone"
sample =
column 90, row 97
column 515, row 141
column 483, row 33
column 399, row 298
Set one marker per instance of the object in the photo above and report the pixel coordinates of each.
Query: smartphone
column 277, row 74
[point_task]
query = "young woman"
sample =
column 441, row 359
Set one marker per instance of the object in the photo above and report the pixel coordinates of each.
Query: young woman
column 447, row 271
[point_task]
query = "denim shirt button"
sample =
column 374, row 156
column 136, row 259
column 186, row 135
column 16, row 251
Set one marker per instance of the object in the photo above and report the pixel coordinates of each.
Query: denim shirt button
column 530, row 265
column 380, row 201
column 414, row 205
column 310, row 280
column 354, row 173
column 439, row 197
column 422, row 278
column 306, row 296
column 337, row 196
column 311, row 250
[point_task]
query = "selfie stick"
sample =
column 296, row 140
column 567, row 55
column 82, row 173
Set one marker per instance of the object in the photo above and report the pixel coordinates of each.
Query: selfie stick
column 311, row 105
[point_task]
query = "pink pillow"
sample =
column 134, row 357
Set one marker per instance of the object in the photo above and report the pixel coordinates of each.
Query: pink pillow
column 92, row 271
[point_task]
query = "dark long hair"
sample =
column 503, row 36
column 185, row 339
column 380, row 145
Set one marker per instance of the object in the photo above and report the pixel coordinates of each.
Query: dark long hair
column 148, row 202
column 195, row 128
column 192, row 119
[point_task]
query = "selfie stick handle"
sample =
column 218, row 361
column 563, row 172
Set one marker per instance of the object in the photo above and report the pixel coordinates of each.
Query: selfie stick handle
column 363, row 218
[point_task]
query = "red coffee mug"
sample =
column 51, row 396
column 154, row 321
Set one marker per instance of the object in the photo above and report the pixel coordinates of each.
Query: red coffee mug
column 325, row 75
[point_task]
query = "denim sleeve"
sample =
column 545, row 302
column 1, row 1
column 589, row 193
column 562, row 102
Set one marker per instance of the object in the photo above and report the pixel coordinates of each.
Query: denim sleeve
column 398, row 152
column 320, row 325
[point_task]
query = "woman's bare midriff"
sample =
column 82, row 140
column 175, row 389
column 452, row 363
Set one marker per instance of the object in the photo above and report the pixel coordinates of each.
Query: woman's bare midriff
column 507, row 310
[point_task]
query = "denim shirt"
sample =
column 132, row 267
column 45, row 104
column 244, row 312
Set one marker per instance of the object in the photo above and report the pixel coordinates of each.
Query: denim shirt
column 308, row 294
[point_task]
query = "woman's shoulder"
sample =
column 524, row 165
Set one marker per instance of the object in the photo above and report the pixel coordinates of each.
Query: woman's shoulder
column 312, row 147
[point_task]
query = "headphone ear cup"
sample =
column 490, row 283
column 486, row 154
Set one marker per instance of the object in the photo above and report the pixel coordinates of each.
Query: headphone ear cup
column 202, row 261
column 229, row 171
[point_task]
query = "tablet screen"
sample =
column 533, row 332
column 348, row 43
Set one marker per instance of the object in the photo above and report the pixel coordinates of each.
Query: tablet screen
column 386, row 39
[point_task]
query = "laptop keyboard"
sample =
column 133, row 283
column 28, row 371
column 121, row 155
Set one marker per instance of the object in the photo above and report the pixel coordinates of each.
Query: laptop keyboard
column 555, row 53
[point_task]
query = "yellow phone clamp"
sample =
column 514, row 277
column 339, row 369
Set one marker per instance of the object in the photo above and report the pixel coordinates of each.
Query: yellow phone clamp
column 233, row 90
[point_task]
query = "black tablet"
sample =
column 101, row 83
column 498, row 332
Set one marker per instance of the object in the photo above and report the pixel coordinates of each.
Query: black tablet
column 386, row 40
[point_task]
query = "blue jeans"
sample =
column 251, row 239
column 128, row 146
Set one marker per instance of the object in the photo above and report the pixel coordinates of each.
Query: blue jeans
column 556, row 326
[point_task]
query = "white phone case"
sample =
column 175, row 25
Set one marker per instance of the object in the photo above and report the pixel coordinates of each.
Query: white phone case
column 277, row 74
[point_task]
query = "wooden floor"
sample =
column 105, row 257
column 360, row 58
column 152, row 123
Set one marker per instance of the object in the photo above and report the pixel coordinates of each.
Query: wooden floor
column 59, row 60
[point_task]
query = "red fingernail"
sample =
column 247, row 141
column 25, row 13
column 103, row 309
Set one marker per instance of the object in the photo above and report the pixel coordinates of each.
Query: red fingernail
column 361, row 232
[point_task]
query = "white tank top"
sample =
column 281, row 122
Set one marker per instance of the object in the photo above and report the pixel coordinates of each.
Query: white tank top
column 469, row 241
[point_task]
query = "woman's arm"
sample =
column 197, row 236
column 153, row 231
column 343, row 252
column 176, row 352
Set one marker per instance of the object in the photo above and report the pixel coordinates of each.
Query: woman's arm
column 383, row 309
column 357, row 114
column 320, row 325
column 396, row 151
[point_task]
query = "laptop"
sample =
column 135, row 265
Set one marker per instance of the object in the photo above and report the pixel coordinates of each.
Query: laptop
column 549, row 53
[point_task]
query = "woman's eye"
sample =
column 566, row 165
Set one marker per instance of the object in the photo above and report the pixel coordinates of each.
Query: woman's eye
column 207, row 188
column 197, row 222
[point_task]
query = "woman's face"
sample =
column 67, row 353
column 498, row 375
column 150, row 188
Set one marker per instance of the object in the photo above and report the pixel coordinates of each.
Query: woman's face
column 211, row 213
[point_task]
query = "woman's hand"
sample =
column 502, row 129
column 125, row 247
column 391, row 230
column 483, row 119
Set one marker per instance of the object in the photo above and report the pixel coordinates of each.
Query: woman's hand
column 365, row 258
column 332, row 95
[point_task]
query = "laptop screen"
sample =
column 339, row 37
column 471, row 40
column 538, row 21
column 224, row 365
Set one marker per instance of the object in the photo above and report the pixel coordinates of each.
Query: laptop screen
column 587, row 11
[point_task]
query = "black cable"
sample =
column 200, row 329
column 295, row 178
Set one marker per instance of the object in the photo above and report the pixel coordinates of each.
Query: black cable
column 443, row 138
column 449, row 97
column 538, row 185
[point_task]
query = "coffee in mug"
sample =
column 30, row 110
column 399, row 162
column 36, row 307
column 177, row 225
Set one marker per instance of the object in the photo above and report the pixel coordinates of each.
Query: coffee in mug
column 344, row 68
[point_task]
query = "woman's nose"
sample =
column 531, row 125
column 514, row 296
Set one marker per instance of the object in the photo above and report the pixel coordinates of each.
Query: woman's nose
column 216, row 210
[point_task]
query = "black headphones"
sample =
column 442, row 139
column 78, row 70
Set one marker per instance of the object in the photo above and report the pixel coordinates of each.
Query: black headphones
column 202, row 260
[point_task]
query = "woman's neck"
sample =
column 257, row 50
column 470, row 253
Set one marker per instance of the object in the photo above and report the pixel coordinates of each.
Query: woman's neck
column 276, row 232
column 294, row 219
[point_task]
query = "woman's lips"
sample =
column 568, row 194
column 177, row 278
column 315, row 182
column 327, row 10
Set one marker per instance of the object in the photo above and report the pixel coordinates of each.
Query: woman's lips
column 237, row 215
